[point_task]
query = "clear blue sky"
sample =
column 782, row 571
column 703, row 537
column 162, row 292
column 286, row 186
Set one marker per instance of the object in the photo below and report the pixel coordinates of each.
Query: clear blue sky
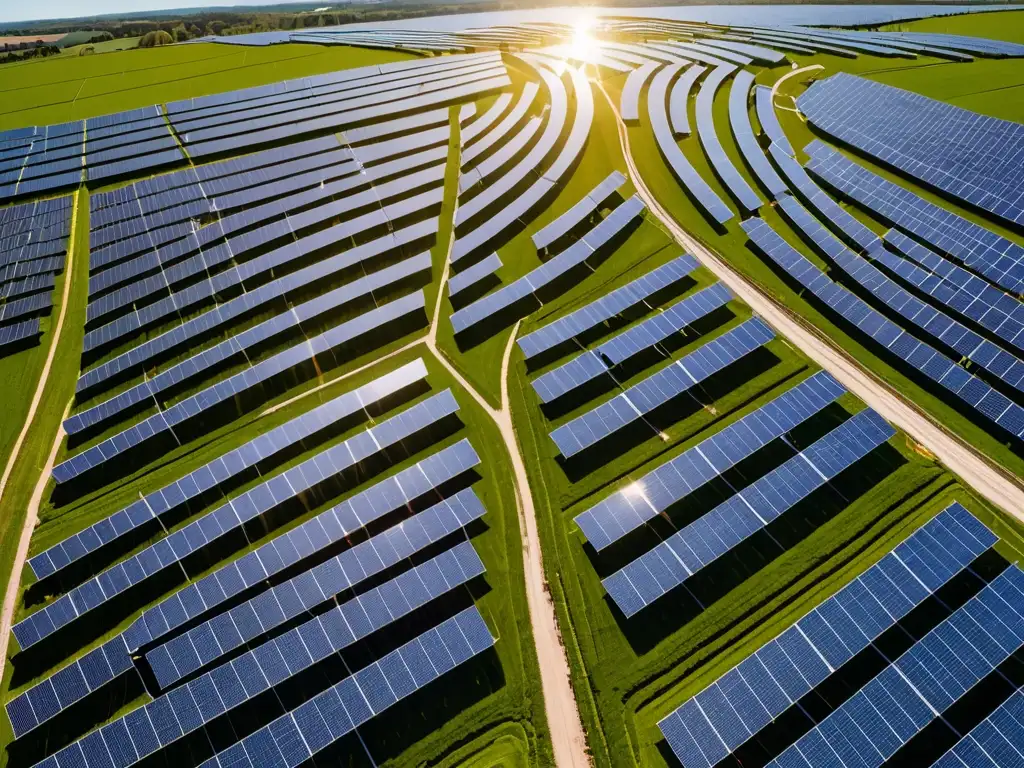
column 10, row 10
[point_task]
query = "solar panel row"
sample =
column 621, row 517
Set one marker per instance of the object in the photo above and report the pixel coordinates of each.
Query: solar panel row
column 711, row 536
column 718, row 720
column 680, row 166
column 473, row 275
column 370, row 691
column 955, row 287
column 994, row 743
column 140, row 291
column 231, row 516
column 617, row 515
column 919, row 686
column 980, row 249
column 660, row 388
column 18, row 332
column 245, row 344
column 478, row 176
column 27, row 286
column 524, row 204
column 748, row 199
column 163, row 422
column 743, row 132
column 479, row 126
column 922, row 357
column 649, row 333
column 537, row 279
column 940, row 326
column 629, row 104
column 679, row 98
column 603, row 309
column 497, row 135
column 189, row 707
column 223, row 470
column 23, row 269
column 110, row 661
column 576, row 215
column 952, row 149
column 202, row 645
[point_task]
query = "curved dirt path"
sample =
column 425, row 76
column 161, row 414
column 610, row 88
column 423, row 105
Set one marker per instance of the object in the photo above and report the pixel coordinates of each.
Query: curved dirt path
column 567, row 736
column 793, row 73
column 995, row 484
column 14, row 582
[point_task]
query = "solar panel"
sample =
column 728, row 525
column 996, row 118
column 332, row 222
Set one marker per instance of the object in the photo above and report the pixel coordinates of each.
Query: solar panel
column 182, row 411
column 951, row 333
column 572, row 218
column 922, row 357
column 498, row 134
column 232, row 515
column 209, row 696
column 529, row 165
column 922, row 683
column 651, row 332
column 702, row 732
column 629, row 105
column 477, row 128
column 18, row 332
column 622, row 512
column 685, row 174
column 980, row 249
column 994, row 743
column 202, row 645
column 720, row 161
column 660, row 388
column 700, row 543
column 537, row 279
column 283, row 552
column 477, row 177
column 246, row 344
column 606, row 307
column 679, row 99
column 473, row 275
column 758, row 53
column 949, row 148
column 743, row 132
column 371, row 690
column 223, row 470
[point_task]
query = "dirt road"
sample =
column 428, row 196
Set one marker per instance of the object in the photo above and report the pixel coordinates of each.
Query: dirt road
column 995, row 484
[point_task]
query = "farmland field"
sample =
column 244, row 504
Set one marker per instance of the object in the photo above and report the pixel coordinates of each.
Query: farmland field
column 277, row 316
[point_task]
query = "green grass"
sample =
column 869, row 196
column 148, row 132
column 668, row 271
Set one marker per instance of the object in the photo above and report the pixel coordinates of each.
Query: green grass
column 107, row 46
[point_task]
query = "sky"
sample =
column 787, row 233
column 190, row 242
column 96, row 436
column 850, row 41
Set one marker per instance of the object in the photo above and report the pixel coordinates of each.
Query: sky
column 11, row 10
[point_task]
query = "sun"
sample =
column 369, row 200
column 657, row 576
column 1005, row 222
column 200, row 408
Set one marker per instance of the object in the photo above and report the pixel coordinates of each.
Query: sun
column 582, row 46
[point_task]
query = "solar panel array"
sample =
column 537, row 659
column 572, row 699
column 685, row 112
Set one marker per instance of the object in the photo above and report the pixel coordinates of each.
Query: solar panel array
column 721, row 718
column 186, row 708
column 496, row 137
column 231, row 516
column 660, row 388
column 200, row 646
column 987, row 253
column 223, row 470
column 684, row 172
column 769, row 121
column 922, row 357
column 367, row 693
column 579, row 213
column 651, row 332
column 629, row 104
column 999, row 363
column 483, row 310
column 41, row 159
column 245, row 344
column 960, row 152
column 678, row 100
column 994, row 743
column 478, row 126
column 617, row 515
column 246, row 380
column 919, row 686
column 711, row 536
column 301, row 544
column 607, row 307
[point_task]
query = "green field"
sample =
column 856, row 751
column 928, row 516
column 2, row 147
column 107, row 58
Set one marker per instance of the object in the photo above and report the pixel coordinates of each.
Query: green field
column 626, row 674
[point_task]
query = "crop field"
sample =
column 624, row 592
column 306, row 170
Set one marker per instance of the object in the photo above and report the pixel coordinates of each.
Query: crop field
column 561, row 373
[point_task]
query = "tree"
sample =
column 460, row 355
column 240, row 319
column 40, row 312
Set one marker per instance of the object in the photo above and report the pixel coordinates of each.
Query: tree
column 154, row 39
